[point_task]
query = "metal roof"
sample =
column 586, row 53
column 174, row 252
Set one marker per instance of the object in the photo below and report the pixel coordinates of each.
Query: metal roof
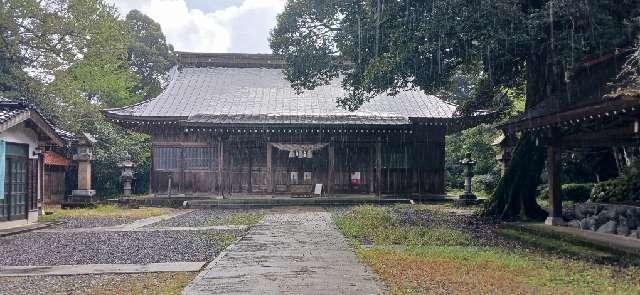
column 224, row 94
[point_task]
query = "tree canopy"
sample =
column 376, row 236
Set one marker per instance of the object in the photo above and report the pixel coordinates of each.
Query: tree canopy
column 74, row 57
column 148, row 54
column 470, row 52
column 394, row 44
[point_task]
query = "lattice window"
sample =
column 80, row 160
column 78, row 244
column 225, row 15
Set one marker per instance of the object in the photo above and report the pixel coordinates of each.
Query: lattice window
column 166, row 158
column 198, row 158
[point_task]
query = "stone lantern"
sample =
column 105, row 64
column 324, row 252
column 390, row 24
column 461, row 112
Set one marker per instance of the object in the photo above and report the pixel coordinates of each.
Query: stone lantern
column 127, row 176
column 83, row 195
column 468, row 163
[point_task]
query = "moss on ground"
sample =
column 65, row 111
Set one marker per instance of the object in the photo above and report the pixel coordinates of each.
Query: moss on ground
column 427, row 256
column 105, row 211
column 236, row 218
column 157, row 283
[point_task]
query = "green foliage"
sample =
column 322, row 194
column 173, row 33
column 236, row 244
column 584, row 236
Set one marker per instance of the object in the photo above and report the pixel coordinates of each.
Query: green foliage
column 477, row 141
column 148, row 54
column 610, row 191
column 85, row 59
column 624, row 189
column 577, row 192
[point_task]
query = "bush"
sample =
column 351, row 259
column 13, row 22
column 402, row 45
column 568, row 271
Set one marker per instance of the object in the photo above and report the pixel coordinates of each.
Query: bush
column 577, row 192
column 624, row 189
column 485, row 183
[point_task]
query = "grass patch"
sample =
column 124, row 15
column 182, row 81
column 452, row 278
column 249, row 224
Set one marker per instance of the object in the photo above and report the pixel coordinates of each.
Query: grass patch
column 375, row 225
column 158, row 283
column 105, row 211
column 246, row 218
column 473, row 270
column 223, row 238
column 433, row 257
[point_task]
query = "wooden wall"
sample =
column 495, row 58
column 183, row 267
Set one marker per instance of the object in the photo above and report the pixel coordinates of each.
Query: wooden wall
column 411, row 163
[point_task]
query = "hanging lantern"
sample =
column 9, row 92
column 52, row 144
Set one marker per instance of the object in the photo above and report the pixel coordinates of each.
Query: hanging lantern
column 291, row 154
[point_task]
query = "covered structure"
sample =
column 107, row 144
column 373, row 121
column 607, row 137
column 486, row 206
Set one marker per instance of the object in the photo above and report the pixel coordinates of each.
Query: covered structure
column 24, row 135
column 231, row 123
column 589, row 117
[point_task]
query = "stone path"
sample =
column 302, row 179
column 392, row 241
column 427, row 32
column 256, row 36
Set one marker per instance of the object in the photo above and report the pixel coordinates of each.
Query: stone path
column 21, row 271
column 288, row 252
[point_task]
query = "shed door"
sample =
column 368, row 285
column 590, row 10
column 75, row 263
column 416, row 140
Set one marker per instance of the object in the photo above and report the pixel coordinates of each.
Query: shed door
column 14, row 205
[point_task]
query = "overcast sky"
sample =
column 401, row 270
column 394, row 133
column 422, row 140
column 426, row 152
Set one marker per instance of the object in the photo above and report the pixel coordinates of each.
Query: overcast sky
column 240, row 26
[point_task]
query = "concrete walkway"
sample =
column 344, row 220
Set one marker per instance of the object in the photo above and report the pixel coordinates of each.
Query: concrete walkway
column 59, row 270
column 290, row 253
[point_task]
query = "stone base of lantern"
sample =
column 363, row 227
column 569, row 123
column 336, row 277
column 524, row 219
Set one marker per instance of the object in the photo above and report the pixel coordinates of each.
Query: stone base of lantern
column 80, row 199
column 468, row 199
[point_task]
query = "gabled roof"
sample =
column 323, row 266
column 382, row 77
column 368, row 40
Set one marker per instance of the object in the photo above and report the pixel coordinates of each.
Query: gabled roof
column 14, row 112
column 251, row 89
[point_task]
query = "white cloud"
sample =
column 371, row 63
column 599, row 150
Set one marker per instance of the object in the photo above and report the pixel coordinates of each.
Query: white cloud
column 239, row 28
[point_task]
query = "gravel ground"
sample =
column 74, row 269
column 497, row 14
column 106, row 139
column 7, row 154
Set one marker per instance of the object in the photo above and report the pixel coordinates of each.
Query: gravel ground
column 42, row 248
column 81, row 284
column 204, row 217
column 87, row 222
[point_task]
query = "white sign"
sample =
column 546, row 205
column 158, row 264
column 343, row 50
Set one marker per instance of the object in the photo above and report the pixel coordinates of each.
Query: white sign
column 318, row 189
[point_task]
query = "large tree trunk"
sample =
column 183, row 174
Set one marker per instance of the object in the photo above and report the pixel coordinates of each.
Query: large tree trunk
column 515, row 196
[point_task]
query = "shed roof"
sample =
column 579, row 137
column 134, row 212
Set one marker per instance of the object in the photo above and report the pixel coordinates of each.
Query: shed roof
column 13, row 112
column 252, row 89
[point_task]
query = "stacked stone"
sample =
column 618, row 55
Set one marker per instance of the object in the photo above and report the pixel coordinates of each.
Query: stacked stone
column 607, row 218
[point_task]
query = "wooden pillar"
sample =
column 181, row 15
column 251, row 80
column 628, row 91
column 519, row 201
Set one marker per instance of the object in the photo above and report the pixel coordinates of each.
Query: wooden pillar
column 152, row 186
column 379, row 166
column 220, row 167
column 555, row 201
column 249, row 181
column 331, row 168
column 371, row 169
column 269, row 171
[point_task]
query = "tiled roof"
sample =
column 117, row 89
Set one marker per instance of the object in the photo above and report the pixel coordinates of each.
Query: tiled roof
column 245, row 95
column 10, row 109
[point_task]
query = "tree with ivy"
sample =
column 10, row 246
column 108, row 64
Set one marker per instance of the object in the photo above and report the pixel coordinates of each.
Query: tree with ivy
column 381, row 46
